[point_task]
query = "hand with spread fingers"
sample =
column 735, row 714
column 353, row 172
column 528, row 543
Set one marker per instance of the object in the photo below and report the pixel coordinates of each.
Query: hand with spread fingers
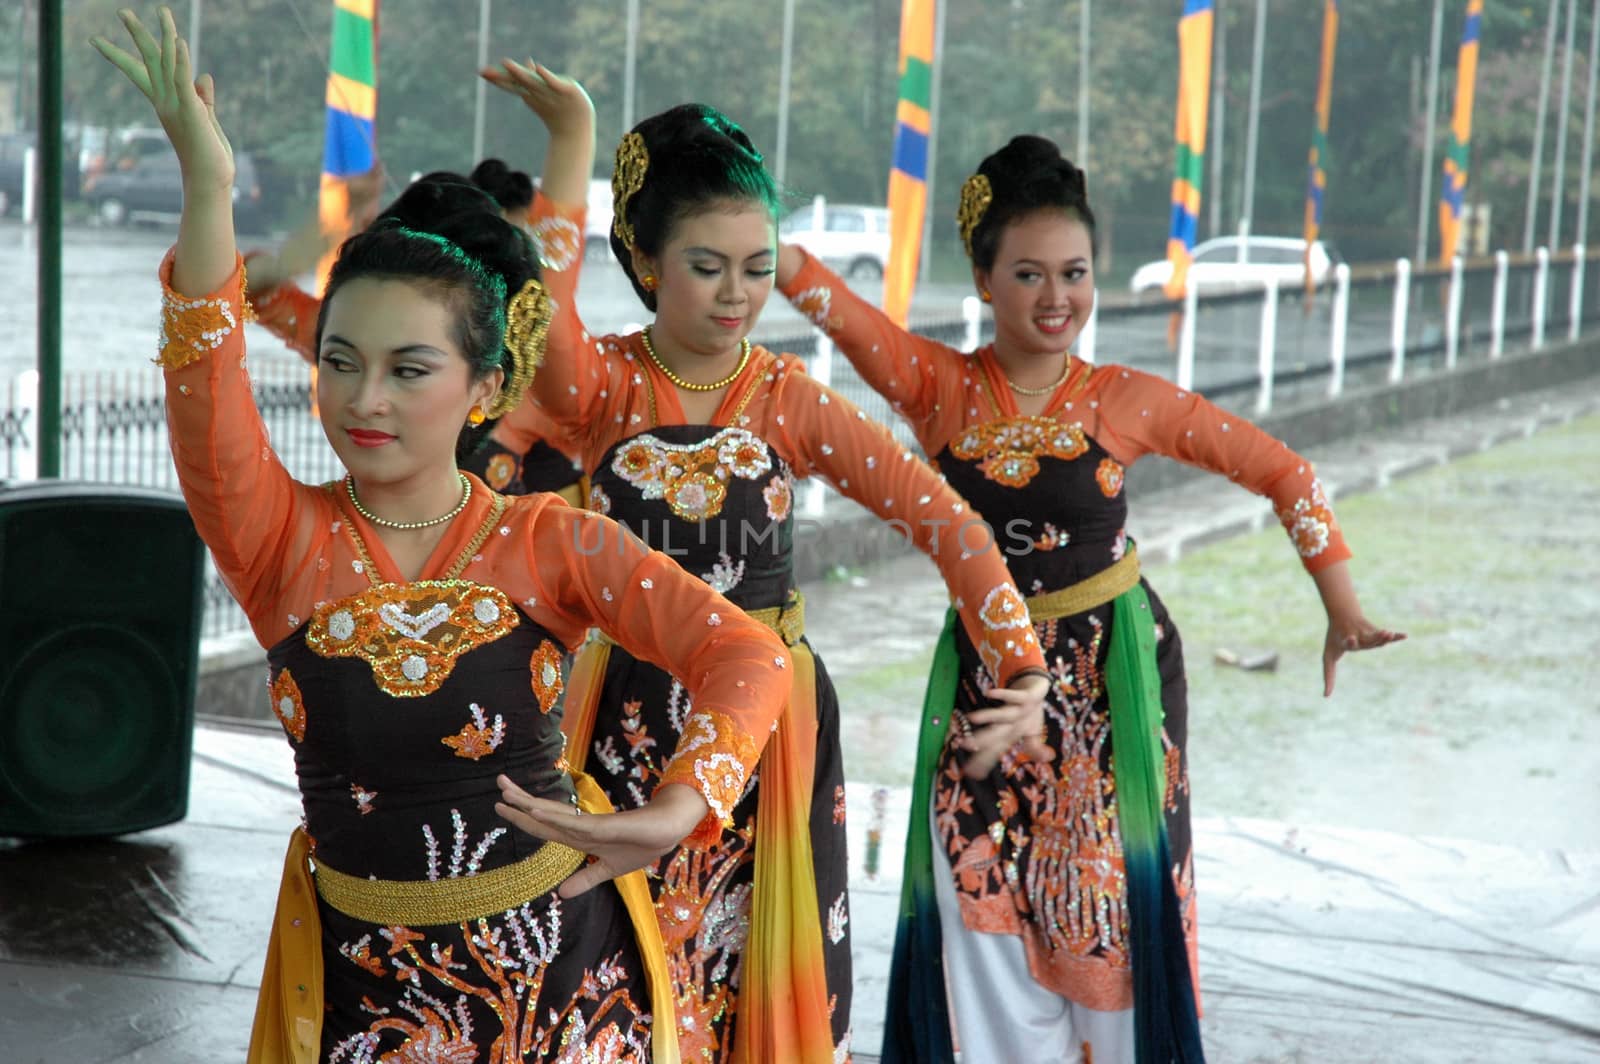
column 568, row 115
column 185, row 107
column 1018, row 721
column 619, row 843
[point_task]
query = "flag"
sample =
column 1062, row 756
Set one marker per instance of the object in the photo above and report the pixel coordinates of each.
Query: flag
column 908, row 174
column 349, row 145
column 1453, row 191
column 1317, row 181
column 1194, row 96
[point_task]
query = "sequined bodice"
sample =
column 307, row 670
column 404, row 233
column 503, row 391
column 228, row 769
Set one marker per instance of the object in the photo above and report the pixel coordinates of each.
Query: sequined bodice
column 719, row 501
column 1053, row 496
column 403, row 704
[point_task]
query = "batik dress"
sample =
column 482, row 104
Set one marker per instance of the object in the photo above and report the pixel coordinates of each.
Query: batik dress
column 1038, row 849
column 756, row 924
column 430, row 930
column 522, row 461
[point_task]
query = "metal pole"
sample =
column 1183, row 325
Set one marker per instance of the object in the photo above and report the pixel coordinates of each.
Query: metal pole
column 1191, row 309
column 781, row 161
column 1557, row 175
column 1497, row 312
column 1541, row 288
column 630, row 63
column 1538, row 128
column 1452, row 321
column 1588, row 126
column 1267, row 345
column 1091, row 329
column 1083, row 84
column 193, row 36
column 50, row 114
column 1341, row 323
column 482, row 102
column 1575, row 293
column 1253, row 126
column 933, row 139
column 1397, row 323
column 1219, row 76
column 1429, row 121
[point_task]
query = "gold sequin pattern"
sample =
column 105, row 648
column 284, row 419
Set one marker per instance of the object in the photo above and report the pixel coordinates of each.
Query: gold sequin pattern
column 976, row 195
column 544, row 669
column 633, row 159
column 405, row 903
column 1008, row 451
column 288, row 705
column 527, row 326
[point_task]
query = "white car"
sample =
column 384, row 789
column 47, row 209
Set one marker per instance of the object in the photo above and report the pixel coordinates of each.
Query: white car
column 1218, row 262
column 852, row 239
column 597, row 225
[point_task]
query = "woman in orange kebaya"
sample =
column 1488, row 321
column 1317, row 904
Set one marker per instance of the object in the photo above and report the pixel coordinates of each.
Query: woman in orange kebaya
column 1058, row 897
column 694, row 438
column 413, row 619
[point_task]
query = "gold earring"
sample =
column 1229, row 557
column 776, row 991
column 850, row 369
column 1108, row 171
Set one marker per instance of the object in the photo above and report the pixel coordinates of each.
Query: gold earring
column 983, row 294
column 476, row 416
column 648, row 282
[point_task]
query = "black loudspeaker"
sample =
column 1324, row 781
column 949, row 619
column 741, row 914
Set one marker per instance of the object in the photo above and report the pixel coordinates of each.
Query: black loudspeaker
column 101, row 590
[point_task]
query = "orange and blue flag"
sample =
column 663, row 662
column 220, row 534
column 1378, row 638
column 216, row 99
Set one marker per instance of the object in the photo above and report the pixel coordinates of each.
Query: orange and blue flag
column 1317, row 181
column 908, row 175
column 1453, row 192
column 1194, row 97
column 349, row 145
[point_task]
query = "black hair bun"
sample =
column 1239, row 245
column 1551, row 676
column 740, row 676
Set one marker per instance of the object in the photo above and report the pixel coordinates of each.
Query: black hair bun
column 511, row 189
column 433, row 196
column 1031, row 167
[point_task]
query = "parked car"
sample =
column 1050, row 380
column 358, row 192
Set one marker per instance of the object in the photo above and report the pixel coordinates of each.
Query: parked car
column 1218, row 262
column 148, row 187
column 14, row 149
column 849, row 238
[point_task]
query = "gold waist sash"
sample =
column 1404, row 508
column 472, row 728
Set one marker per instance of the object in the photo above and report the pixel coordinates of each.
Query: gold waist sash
column 1097, row 590
column 419, row 903
column 788, row 620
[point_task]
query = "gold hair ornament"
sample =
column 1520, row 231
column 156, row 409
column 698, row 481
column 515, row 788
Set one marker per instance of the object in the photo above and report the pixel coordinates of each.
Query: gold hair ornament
column 626, row 180
column 527, row 328
column 976, row 195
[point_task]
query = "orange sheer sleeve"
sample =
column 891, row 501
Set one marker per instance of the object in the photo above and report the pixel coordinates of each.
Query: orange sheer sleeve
column 288, row 312
column 591, row 572
column 825, row 433
column 1142, row 414
column 920, row 377
column 264, row 528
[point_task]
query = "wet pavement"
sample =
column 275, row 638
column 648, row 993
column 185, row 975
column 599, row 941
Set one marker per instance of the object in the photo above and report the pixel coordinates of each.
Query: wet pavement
column 1319, row 942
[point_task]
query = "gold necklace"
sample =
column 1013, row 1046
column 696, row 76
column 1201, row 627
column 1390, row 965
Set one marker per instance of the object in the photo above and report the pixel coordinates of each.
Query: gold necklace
column 650, row 349
column 406, row 526
column 1047, row 389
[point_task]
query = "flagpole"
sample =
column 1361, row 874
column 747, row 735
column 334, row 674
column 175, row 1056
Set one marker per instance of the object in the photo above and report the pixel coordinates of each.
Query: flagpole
column 1588, row 128
column 1429, row 122
column 1538, row 129
column 193, row 36
column 1083, row 85
column 933, row 141
column 1219, row 75
column 781, row 156
column 1557, row 176
column 1253, row 126
column 482, row 102
column 630, row 63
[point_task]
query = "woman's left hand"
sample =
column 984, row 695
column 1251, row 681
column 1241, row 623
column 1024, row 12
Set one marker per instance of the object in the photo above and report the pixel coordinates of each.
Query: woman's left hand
column 618, row 842
column 1018, row 721
column 1349, row 634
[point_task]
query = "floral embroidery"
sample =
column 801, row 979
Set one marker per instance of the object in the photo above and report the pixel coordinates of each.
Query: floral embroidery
column 193, row 328
column 1052, row 538
column 1109, row 477
column 460, row 863
column 360, row 954
column 778, row 496
column 599, row 501
column 713, row 757
column 1309, row 522
column 1003, row 608
column 815, row 303
column 502, row 467
column 363, row 798
column 478, row 738
column 1119, row 546
column 838, row 920
column 691, row 477
column 545, row 667
column 838, row 804
column 1009, row 449
column 289, row 706
column 724, row 576
column 411, row 634
column 559, row 242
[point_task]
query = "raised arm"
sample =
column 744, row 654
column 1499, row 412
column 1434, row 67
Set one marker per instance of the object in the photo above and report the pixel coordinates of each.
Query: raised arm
column 593, row 573
column 912, row 372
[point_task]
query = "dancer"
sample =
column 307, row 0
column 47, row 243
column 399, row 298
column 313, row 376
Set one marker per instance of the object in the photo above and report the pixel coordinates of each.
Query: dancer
column 412, row 618
column 1063, row 890
column 694, row 437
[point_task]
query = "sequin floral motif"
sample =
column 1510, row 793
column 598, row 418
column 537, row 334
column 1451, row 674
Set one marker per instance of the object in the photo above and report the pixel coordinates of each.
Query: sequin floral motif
column 288, row 706
column 815, row 303
column 544, row 670
column 559, row 241
column 411, row 634
column 599, row 501
column 1008, row 451
column 193, row 328
column 778, row 495
column 1109, row 477
column 1309, row 522
column 712, row 757
column 479, row 737
column 502, row 467
column 692, row 477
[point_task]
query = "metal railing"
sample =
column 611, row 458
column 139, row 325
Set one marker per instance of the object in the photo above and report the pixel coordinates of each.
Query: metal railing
column 1249, row 350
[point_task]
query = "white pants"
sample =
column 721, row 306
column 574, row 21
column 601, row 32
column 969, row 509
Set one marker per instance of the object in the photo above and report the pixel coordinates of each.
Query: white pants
column 1002, row 1016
